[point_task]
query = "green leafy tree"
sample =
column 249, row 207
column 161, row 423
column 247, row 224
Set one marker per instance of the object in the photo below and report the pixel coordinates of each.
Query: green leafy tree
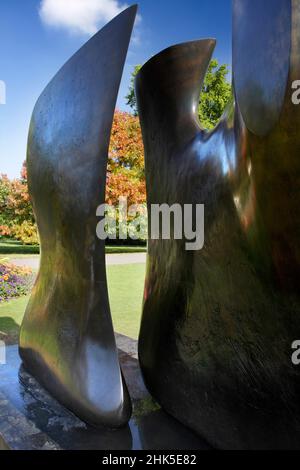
column 131, row 99
column 5, row 187
column 215, row 95
column 16, row 215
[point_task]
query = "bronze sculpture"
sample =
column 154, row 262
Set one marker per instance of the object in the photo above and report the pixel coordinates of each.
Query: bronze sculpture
column 218, row 324
column 67, row 340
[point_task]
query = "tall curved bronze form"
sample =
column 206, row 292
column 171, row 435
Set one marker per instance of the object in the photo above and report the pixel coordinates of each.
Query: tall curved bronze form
column 218, row 324
column 67, row 339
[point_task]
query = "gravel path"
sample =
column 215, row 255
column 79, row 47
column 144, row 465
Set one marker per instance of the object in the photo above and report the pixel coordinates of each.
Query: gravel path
column 111, row 260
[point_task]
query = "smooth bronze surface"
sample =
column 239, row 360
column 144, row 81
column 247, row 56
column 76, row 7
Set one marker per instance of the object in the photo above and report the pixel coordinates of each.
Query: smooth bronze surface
column 218, row 324
column 67, row 340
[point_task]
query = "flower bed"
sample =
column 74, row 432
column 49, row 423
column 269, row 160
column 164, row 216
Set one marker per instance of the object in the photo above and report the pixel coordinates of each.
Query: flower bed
column 14, row 281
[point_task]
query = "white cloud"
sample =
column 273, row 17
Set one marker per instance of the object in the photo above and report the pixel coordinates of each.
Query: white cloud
column 79, row 16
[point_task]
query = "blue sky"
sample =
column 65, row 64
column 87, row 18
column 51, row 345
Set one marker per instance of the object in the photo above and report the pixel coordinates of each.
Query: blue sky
column 35, row 43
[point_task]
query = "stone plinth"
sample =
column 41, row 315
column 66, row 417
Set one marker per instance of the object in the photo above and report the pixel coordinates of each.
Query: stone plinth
column 30, row 419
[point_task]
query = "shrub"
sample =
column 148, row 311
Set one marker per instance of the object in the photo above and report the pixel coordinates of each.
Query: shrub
column 5, row 231
column 14, row 281
column 25, row 233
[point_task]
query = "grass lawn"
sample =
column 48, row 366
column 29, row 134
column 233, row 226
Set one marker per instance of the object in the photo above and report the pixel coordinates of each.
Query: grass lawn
column 110, row 250
column 126, row 284
column 13, row 247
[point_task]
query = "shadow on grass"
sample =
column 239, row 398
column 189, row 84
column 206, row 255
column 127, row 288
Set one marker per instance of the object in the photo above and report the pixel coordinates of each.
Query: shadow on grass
column 9, row 331
column 11, row 316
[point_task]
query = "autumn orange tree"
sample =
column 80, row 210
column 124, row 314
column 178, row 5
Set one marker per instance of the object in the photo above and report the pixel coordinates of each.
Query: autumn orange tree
column 126, row 174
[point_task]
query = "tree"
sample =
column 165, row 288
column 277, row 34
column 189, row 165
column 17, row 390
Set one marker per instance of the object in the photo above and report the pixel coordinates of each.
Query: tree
column 124, row 184
column 126, row 174
column 19, row 200
column 131, row 98
column 17, row 219
column 126, row 159
column 215, row 95
column 4, row 194
column 5, row 214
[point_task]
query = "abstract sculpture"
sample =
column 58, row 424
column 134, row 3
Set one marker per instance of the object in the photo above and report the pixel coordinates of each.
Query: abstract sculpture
column 218, row 324
column 67, row 339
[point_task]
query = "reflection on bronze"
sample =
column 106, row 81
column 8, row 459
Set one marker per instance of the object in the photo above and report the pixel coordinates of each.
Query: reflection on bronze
column 218, row 324
column 67, row 340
